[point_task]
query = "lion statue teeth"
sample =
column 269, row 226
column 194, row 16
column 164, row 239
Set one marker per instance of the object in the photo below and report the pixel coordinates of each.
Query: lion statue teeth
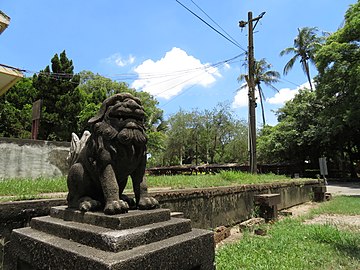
column 104, row 159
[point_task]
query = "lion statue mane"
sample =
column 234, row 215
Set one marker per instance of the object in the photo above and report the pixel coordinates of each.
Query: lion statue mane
column 115, row 150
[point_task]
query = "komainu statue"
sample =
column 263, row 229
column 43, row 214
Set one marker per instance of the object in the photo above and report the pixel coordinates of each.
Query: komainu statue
column 102, row 162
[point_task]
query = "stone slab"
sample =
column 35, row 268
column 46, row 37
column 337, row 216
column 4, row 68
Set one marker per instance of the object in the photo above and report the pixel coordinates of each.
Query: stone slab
column 269, row 199
column 128, row 220
column 319, row 189
column 251, row 224
column 108, row 239
column 32, row 249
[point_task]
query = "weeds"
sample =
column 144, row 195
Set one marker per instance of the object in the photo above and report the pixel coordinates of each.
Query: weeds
column 290, row 244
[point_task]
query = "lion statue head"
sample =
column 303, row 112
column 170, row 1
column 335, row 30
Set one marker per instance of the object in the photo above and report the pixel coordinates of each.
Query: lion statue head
column 124, row 117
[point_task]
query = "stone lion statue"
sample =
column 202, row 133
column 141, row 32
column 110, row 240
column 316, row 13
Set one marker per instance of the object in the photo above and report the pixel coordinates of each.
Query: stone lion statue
column 115, row 149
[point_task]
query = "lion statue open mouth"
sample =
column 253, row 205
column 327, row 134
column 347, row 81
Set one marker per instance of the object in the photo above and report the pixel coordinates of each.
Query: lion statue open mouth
column 115, row 150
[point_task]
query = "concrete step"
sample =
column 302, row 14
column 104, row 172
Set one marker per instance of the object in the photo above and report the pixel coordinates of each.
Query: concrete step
column 128, row 220
column 108, row 239
column 29, row 247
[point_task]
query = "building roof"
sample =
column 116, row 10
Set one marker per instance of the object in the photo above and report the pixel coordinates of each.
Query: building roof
column 8, row 77
column 4, row 21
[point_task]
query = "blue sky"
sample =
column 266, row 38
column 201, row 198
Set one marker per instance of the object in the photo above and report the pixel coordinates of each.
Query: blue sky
column 159, row 47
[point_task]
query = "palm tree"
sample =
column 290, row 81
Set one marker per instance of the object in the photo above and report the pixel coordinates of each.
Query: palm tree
column 262, row 74
column 305, row 45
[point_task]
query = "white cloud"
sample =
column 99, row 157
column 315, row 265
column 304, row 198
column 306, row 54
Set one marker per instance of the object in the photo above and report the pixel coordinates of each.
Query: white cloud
column 282, row 96
column 286, row 94
column 241, row 98
column 118, row 60
column 173, row 73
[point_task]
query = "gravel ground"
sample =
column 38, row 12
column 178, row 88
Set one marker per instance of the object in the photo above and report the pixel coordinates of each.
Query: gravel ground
column 351, row 223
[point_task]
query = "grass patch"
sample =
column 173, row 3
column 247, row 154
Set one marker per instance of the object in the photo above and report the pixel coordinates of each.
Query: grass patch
column 224, row 178
column 290, row 244
column 31, row 188
column 343, row 205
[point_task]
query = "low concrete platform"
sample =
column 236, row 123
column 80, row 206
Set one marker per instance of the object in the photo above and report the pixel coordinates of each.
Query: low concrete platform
column 142, row 240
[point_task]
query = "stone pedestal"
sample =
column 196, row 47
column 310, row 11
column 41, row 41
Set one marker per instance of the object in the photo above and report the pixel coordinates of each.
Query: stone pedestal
column 268, row 205
column 70, row 239
column 319, row 193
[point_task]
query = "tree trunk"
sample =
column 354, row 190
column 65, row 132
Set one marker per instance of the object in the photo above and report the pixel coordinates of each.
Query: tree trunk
column 307, row 71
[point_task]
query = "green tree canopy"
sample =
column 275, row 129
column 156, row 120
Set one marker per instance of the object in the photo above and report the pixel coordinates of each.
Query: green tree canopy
column 306, row 43
column 209, row 136
column 16, row 109
column 263, row 74
column 338, row 62
column 325, row 121
column 62, row 101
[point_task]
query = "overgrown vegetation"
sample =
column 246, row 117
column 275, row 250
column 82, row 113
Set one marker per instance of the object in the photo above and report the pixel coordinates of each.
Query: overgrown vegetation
column 293, row 245
column 31, row 188
column 322, row 121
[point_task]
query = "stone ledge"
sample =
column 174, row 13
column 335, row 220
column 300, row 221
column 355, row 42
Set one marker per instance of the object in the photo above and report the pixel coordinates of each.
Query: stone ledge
column 118, row 222
column 108, row 239
column 29, row 247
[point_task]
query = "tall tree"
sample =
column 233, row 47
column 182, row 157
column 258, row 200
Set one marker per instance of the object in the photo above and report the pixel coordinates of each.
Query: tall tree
column 306, row 43
column 61, row 99
column 296, row 137
column 338, row 62
column 210, row 136
column 263, row 74
column 16, row 108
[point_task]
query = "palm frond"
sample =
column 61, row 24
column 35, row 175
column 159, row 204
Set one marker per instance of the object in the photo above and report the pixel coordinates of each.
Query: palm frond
column 290, row 64
column 288, row 51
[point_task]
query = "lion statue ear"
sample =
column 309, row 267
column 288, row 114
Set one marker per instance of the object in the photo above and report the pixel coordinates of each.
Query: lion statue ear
column 110, row 102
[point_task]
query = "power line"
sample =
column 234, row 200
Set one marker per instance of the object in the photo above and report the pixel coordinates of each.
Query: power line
column 216, row 23
column 205, row 69
column 209, row 25
column 144, row 76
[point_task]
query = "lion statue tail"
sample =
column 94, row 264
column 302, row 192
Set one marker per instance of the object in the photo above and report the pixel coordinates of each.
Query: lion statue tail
column 76, row 146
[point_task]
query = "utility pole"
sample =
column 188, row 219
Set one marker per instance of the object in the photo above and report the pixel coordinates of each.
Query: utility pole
column 251, row 85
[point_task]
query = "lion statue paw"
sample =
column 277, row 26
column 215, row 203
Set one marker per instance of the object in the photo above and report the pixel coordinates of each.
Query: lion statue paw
column 146, row 203
column 116, row 207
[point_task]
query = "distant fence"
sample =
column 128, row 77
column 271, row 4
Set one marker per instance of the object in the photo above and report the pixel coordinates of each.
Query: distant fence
column 21, row 158
column 289, row 169
column 285, row 169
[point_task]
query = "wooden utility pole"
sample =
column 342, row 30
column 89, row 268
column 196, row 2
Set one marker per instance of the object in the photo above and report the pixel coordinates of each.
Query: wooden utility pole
column 251, row 85
column 252, row 100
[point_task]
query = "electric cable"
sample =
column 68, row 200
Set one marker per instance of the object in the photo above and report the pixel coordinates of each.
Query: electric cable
column 209, row 25
column 216, row 23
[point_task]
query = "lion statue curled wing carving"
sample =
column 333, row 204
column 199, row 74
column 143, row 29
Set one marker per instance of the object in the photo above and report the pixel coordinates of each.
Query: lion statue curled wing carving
column 115, row 150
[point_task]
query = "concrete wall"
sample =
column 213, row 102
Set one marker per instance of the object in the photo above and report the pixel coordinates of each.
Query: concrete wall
column 212, row 207
column 32, row 159
column 207, row 208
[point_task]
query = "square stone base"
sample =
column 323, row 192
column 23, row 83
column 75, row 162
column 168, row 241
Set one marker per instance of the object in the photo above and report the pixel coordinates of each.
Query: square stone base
column 69, row 239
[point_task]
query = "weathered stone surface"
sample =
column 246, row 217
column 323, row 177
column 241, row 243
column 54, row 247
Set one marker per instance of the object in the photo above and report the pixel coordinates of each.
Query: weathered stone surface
column 14, row 215
column 221, row 233
column 115, row 150
column 251, row 224
column 319, row 193
column 32, row 158
column 53, row 243
column 268, row 205
column 121, row 221
column 186, row 251
column 108, row 239
column 269, row 199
